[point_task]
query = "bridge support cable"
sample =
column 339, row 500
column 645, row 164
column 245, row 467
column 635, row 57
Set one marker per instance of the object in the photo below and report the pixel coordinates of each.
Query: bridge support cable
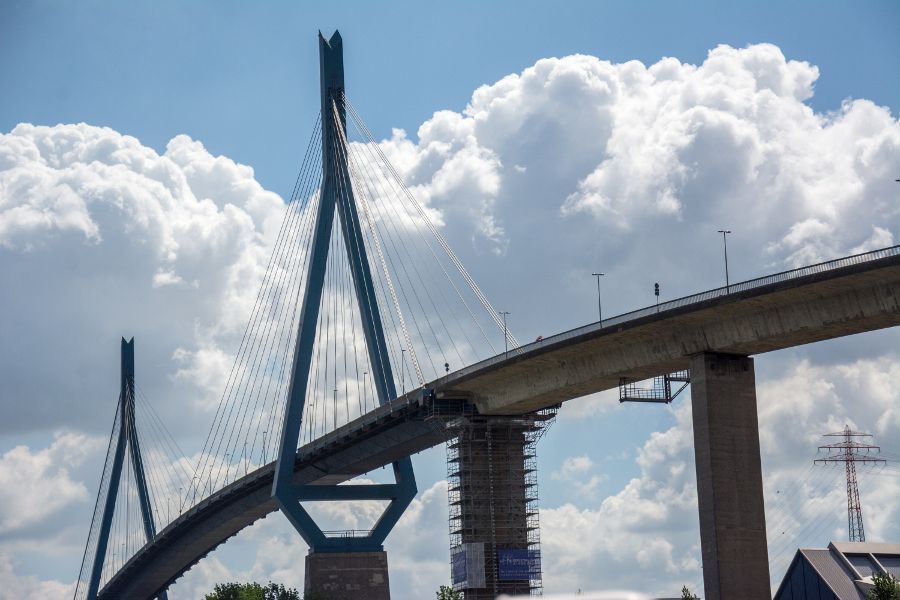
column 245, row 421
column 169, row 471
column 124, row 450
column 495, row 315
column 341, row 147
column 266, row 350
column 408, row 260
column 400, row 223
column 361, row 163
column 406, row 250
column 90, row 548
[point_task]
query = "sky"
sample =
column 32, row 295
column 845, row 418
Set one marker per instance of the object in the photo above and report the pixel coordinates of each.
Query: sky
column 146, row 150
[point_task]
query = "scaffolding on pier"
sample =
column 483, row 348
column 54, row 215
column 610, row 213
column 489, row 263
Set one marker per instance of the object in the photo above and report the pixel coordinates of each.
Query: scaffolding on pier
column 493, row 504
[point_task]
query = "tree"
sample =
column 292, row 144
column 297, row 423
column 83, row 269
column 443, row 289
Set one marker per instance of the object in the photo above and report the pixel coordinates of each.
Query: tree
column 445, row 592
column 886, row 587
column 252, row 591
column 687, row 595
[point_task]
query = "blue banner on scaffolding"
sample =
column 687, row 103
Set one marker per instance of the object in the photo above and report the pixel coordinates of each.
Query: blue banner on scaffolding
column 458, row 567
column 467, row 566
column 518, row 564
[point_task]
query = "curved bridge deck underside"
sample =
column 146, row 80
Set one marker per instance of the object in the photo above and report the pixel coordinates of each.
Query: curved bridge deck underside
column 747, row 320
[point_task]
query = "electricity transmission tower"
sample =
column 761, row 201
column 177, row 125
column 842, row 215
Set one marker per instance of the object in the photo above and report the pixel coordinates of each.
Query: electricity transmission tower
column 850, row 452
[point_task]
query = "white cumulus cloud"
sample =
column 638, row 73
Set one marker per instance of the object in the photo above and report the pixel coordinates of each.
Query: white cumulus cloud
column 34, row 485
column 573, row 165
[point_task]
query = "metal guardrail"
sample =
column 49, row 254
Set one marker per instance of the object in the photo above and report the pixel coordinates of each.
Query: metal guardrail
column 732, row 289
column 347, row 533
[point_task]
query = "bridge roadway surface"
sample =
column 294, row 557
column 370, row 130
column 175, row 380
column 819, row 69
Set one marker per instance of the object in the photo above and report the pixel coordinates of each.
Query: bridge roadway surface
column 816, row 303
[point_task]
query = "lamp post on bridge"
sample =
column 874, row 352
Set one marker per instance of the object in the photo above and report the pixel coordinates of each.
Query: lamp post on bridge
column 504, row 313
column 366, row 387
column 599, row 304
column 403, row 369
column 725, row 233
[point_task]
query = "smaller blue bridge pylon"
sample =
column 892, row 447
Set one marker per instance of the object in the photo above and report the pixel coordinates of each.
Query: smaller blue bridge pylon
column 126, row 436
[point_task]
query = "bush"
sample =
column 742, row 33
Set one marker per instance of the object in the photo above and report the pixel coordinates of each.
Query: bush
column 686, row 594
column 446, row 593
column 886, row 587
column 252, row 591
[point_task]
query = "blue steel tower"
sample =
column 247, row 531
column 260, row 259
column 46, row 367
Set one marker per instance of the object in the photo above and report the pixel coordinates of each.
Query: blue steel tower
column 127, row 437
column 337, row 197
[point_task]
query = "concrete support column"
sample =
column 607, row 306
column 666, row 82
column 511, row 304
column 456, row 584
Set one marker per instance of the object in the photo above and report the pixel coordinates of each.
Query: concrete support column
column 347, row 576
column 729, row 478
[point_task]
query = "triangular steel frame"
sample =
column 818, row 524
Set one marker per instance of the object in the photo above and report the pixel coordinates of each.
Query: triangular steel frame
column 337, row 195
column 127, row 436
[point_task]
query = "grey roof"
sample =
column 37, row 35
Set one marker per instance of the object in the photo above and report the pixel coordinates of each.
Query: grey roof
column 846, row 567
column 834, row 573
column 866, row 548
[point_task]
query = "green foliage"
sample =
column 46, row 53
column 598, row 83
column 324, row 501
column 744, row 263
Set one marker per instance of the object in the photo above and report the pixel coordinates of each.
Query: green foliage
column 886, row 587
column 687, row 595
column 446, row 593
column 252, row 591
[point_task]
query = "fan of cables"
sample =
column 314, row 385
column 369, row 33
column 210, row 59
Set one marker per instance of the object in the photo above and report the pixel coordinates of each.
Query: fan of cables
column 434, row 316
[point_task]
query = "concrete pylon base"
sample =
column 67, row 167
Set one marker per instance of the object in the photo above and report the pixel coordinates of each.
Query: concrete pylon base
column 346, row 576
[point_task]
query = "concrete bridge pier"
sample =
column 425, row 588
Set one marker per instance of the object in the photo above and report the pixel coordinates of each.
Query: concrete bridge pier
column 729, row 477
column 347, row 575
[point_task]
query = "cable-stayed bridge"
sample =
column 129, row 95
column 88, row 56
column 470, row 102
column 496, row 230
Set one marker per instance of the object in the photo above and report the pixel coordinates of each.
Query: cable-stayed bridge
column 369, row 341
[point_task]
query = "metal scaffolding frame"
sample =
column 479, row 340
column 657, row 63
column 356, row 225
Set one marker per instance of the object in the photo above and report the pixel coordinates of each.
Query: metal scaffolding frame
column 493, row 499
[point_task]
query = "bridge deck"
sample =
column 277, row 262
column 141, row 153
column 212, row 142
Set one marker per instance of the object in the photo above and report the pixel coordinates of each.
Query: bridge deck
column 748, row 318
column 808, row 305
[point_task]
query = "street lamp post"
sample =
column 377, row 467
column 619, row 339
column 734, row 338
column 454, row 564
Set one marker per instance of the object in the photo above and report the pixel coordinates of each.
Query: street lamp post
column 599, row 305
column 504, row 313
column 402, row 369
column 366, row 388
column 725, row 233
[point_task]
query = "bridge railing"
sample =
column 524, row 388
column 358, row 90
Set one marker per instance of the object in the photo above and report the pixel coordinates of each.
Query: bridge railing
column 743, row 286
column 732, row 289
column 347, row 533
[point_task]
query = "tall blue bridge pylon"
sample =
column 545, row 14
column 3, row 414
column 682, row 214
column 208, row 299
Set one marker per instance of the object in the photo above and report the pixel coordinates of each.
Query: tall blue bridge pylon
column 337, row 197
